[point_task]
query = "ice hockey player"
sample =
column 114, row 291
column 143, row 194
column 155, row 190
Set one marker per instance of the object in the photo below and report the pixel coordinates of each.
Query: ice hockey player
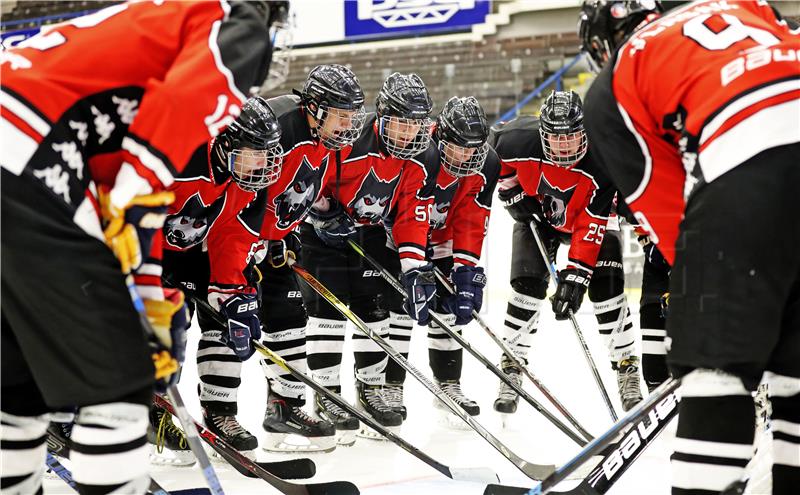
column 554, row 182
column 388, row 179
column 705, row 155
column 85, row 164
column 208, row 238
column 319, row 126
column 459, row 217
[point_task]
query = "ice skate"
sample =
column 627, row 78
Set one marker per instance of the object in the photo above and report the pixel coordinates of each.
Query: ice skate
column 346, row 424
column 291, row 429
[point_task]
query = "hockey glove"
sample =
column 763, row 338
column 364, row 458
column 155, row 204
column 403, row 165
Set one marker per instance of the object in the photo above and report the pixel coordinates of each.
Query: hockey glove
column 652, row 253
column 279, row 252
column 520, row 206
column 334, row 227
column 170, row 321
column 129, row 230
column 420, row 285
column 241, row 311
column 572, row 285
column 469, row 282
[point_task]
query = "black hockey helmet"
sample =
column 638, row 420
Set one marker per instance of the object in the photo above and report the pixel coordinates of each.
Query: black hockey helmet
column 605, row 24
column 249, row 148
column 561, row 128
column 463, row 131
column 334, row 90
column 403, row 107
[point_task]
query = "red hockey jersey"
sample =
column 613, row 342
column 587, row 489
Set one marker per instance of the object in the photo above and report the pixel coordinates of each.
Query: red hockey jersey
column 689, row 97
column 460, row 213
column 375, row 188
column 307, row 167
column 141, row 83
column 218, row 214
column 575, row 200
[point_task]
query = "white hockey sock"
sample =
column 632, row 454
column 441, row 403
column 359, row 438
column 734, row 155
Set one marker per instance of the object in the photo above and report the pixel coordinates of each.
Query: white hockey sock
column 324, row 342
column 290, row 344
column 616, row 327
column 109, row 447
column 219, row 369
column 522, row 318
column 23, row 453
column 370, row 359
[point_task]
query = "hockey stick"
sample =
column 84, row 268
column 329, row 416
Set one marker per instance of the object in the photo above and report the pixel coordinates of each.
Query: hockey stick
column 65, row 474
column 236, row 458
column 533, row 471
column 640, row 428
column 511, row 357
column 175, row 396
column 460, row 474
column 586, row 353
column 391, row 280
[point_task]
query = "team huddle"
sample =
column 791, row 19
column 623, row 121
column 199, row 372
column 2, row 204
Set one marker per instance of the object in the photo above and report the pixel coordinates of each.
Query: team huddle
column 167, row 191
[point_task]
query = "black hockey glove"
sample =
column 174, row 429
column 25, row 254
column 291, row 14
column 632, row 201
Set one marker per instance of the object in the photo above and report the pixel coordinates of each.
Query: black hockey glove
column 420, row 285
column 520, row 206
column 652, row 253
column 572, row 285
column 241, row 311
column 279, row 252
column 334, row 227
column 469, row 282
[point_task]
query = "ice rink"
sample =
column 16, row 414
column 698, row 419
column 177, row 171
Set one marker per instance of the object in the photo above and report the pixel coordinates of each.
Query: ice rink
column 380, row 467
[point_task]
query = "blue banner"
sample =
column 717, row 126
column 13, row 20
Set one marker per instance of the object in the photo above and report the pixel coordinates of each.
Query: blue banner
column 376, row 18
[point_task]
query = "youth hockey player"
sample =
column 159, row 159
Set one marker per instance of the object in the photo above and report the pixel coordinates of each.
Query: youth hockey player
column 209, row 237
column 459, row 219
column 388, row 179
column 705, row 154
column 70, row 334
column 547, row 176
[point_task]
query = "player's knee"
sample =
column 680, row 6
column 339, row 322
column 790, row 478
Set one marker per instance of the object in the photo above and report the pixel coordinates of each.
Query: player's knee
column 530, row 286
column 603, row 288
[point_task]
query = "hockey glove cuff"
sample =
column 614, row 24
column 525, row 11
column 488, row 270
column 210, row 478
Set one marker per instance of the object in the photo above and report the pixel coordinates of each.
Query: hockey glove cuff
column 241, row 311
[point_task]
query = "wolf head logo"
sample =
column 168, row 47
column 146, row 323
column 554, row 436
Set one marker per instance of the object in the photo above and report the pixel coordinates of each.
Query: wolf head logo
column 191, row 224
column 442, row 199
column 373, row 199
column 293, row 204
column 555, row 202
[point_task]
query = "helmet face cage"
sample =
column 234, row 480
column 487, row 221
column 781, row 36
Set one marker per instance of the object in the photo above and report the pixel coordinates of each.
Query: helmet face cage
column 564, row 149
column 339, row 127
column 462, row 161
column 405, row 138
column 254, row 169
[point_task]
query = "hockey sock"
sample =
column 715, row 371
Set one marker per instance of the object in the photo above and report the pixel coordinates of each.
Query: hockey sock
column 219, row 370
column 290, row 344
column 716, row 426
column 23, row 452
column 784, row 393
column 445, row 354
column 109, row 449
column 370, row 360
column 522, row 318
column 615, row 325
column 400, row 327
column 324, row 342
column 654, row 353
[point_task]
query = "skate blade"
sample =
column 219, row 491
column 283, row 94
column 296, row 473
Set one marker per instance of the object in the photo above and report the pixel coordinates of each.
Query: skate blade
column 345, row 438
column 447, row 419
column 167, row 457
column 370, row 434
column 289, row 442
